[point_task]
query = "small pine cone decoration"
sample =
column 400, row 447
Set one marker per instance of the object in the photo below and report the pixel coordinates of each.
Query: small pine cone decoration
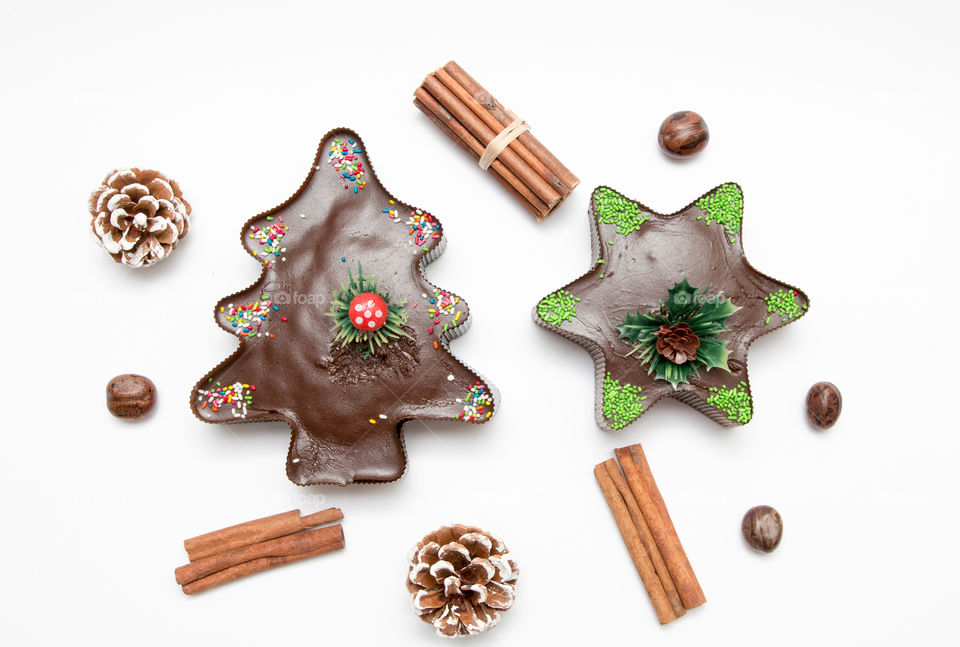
column 677, row 343
column 138, row 216
column 461, row 578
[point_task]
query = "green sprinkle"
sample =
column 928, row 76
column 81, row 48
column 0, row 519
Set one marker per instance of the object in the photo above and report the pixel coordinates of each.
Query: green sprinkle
column 622, row 403
column 602, row 262
column 725, row 206
column 784, row 303
column 735, row 402
column 558, row 307
column 601, row 276
column 611, row 208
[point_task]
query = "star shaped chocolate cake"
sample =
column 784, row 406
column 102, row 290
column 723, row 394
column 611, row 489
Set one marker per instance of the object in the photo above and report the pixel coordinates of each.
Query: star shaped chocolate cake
column 342, row 337
column 670, row 307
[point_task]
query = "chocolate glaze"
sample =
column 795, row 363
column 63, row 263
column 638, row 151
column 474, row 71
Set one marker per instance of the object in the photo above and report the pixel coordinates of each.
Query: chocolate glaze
column 638, row 270
column 328, row 395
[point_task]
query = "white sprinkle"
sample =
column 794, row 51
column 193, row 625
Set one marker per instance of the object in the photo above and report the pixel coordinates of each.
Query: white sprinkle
column 450, row 377
column 303, row 215
column 296, row 460
column 382, row 417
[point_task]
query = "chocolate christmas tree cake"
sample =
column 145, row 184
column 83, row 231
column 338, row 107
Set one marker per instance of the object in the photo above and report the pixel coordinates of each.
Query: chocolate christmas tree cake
column 342, row 337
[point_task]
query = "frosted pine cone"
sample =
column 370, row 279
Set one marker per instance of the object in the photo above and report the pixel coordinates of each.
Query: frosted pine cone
column 138, row 216
column 461, row 578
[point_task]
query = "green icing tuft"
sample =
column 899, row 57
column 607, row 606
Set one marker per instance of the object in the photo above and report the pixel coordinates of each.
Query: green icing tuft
column 724, row 206
column 735, row 402
column 611, row 208
column 785, row 303
column 622, row 403
column 558, row 307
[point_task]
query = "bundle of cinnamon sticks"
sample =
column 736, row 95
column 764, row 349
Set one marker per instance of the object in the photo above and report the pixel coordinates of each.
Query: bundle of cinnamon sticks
column 648, row 532
column 472, row 118
column 225, row 555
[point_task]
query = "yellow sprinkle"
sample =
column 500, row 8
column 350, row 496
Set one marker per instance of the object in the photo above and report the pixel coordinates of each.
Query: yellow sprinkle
column 221, row 308
column 456, row 316
column 489, row 413
column 372, row 421
column 432, row 311
column 246, row 386
column 392, row 202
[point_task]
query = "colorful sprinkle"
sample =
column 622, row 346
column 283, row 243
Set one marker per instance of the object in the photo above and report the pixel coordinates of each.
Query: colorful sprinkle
column 250, row 320
column 422, row 228
column 475, row 403
column 346, row 160
column 444, row 305
column 269, row 237
column 238, row 396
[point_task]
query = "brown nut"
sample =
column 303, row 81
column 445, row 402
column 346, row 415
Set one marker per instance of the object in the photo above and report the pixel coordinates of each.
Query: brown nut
column 131, row 396
column 683, row 134
column 823, row 405
column 762, row 528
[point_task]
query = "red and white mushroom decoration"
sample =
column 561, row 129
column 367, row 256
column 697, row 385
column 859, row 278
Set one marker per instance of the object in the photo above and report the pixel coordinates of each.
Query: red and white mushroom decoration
column 368, row 311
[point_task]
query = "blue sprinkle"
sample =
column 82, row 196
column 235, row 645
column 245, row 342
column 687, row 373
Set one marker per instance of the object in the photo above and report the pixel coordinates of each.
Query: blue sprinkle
column 433, row 300
column 234, row 325
column 357, row 150
column 350, row 141
column 384, row 211
column 343, row 259
column 275, row 308
column 354, row 189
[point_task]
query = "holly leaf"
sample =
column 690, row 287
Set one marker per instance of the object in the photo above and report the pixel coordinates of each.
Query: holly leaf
column 713, row 353
column 681, row 300
column 636, row 327
column 714, row 310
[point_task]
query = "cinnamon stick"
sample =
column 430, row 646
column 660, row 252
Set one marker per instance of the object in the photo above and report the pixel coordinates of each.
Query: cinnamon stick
column 322, row 539
column 251, row 567
column 642, row 562
column 568, row 181
column 484, row 134
column 637, row 473
column 251, row 532
column 496, row 127
column 462, row 137
column 645, row 537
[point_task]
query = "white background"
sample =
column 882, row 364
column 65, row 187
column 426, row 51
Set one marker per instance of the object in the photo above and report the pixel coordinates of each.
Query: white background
column 838, row 119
